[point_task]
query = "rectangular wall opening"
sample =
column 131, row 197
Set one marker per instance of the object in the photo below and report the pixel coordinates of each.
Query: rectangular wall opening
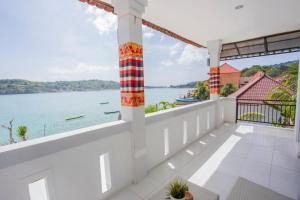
column 198, row 126
column 166, row 141
column 38, row 190
column 105, row 172
column 208, row 120
column 184, row 132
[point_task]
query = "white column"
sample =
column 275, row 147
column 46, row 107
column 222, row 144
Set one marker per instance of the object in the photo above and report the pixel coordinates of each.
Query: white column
column 214, row 50
column 132, row 78
column 297, row 120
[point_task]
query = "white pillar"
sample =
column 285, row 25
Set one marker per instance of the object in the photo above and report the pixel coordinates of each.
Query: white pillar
column 214, row 50
column 297, row 120
column 132, row 78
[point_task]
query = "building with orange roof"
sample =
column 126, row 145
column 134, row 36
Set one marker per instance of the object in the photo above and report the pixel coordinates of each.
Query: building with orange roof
column 229, row 74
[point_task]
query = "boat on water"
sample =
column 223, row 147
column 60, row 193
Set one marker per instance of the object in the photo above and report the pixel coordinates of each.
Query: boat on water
column 185, row 101
column 76, row 117
column 111, row 112
column 102, row 103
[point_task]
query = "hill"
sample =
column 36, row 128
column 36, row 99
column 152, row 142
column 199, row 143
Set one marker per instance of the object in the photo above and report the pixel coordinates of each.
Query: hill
column 18, row 86
column 187, row 85
column 274, row 71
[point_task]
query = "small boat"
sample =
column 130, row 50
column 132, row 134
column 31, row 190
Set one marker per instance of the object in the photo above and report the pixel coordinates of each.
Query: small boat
column 77, row 117
column 111, row 112
column 102, row 103
column 185, row 101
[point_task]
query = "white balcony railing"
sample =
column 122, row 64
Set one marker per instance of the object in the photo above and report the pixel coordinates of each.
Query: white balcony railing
column 94, row 162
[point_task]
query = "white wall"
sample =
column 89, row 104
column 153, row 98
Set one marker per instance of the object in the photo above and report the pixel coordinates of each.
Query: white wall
column 70, row 160
column 173, row 120
column 75, row 172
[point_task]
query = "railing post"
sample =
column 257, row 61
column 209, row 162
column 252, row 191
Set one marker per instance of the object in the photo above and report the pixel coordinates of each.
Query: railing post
column 236, row 110
column 297, row 120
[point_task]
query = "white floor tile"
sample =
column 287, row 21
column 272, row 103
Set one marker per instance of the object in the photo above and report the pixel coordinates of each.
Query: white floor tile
column 288, row 162
column 145, row 187
column 125, row 195
column 284, row 175
column 260, row 154
column 256, row 171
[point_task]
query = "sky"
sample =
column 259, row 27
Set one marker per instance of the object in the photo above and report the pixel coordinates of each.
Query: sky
column 69, row 40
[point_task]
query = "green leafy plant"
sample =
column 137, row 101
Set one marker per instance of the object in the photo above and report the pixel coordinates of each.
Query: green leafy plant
column 201, row 91
column 228, row 89
column 256, row 116
column 177, row 189
column 163, row 105
column 22, row 131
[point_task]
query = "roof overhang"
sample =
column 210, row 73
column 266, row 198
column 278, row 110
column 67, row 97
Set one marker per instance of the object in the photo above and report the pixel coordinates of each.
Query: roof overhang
column 274, row 24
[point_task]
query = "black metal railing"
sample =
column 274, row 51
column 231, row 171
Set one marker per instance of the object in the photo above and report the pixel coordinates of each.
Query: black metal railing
column 276, row 112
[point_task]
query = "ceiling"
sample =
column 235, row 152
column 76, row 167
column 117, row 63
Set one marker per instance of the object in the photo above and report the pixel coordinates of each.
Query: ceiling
column 203, row 20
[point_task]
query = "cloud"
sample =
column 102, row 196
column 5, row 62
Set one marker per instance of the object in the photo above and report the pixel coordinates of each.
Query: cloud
column 162, row 38
column 147, row 32
column 81, row 68
column 174, row 49
column 167, row 62
column 103, row 21
column 148, row 35
column 190, row 54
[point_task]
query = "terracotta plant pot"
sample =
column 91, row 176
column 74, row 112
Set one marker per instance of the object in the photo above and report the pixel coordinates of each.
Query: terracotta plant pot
column 188, row 196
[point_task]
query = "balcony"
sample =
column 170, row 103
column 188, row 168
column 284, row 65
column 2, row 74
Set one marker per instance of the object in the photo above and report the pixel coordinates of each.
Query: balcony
column 262, row 154
column 96, row 162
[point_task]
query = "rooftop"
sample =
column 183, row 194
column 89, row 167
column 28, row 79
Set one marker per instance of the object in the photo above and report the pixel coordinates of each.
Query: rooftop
column 228, row 69
column 257, row 88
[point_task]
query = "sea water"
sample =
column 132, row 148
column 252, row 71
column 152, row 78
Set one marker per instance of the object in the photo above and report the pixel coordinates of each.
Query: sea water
column 45, row 113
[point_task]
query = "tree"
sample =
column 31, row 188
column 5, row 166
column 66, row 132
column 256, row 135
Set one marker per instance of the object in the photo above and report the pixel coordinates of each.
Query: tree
column 10, row 130
column 22, row 131
column 201, row 92
column 228, row 89
column 286, row 96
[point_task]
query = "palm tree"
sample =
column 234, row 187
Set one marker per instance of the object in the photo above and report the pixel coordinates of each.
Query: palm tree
column 285, row 96
column 22, row 130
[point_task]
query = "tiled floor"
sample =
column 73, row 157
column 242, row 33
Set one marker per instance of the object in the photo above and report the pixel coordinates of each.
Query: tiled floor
column 264, row 155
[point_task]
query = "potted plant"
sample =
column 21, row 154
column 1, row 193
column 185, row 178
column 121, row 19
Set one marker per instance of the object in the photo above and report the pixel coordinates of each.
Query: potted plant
column 177, row 190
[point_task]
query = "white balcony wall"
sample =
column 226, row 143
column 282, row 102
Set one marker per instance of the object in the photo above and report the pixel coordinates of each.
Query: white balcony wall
column 70, row 162
column 181, row 124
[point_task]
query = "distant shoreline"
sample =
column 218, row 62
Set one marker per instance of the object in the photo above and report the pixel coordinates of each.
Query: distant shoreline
column 20, row 86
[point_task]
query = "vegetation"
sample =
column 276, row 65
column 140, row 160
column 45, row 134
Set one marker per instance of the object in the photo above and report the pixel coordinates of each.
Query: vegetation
column 201, row 92
column 228, row 89
column 177, row 189
column 22, row 131
column 17, row 86
column 271, row 70
column 163, row 105
column 286, row 95
column 256, row 116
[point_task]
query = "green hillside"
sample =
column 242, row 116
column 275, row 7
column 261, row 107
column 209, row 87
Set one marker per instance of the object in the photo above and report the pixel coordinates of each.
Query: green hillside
column 271, row 70
column 18, row 86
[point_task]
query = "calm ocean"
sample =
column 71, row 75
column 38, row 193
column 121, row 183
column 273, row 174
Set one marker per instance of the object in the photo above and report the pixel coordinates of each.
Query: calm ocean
column 45, row 114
